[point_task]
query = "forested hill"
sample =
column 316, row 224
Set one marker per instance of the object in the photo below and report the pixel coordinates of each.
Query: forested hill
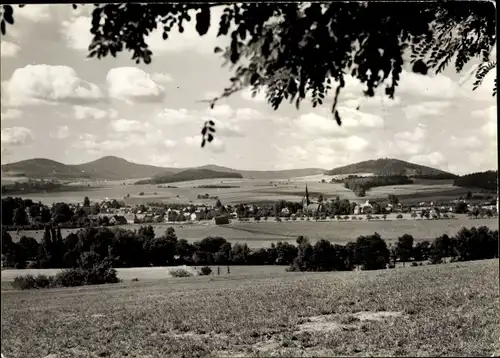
column 392, row 167
column 482, row 180
column 188, row 175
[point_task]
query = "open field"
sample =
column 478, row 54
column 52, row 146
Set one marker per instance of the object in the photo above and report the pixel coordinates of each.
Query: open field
column 442, row 310
column 249, row 191
column 262, row 234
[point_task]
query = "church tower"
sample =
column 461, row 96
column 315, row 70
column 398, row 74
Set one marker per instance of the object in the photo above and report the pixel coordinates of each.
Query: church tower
column 306, row 201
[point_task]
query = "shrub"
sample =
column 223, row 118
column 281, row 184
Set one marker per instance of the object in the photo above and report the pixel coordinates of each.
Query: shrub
column 414, row 264
column 205, row 271
column 399, row 216
column 180, row 272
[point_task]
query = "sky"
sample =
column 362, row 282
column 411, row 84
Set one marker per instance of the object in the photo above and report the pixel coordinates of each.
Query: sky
column 56, row 103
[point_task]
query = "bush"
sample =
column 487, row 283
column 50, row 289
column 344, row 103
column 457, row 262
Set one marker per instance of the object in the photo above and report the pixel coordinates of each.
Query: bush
column 180, row 272
column 399, row 216
column 30, row 282
column 205, row 271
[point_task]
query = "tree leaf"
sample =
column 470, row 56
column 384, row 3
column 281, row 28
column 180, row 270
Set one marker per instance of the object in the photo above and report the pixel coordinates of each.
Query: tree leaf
column 217, row 49
column 210, row 137
column 337, row 118
column 7, row 14
column 203, row 21
column 2, row 27
column 203, row 142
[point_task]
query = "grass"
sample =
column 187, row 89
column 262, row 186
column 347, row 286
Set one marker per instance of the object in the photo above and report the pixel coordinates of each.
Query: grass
column 249, row 191
column 444, row 310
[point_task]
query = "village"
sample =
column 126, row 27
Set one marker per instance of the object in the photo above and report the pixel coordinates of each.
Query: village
column 114, row 212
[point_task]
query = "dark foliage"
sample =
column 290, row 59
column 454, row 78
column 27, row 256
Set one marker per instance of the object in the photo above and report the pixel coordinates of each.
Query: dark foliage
column 188, row 175
column 359, row 185
column 305, row 51
column 484, row 180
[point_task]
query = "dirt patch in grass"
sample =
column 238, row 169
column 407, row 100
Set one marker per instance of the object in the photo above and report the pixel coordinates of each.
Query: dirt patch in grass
column 251, row 316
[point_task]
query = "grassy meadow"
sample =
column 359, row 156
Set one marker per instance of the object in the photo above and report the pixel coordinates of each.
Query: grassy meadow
column 263, row 233
column 247, row 191
column 442, row 310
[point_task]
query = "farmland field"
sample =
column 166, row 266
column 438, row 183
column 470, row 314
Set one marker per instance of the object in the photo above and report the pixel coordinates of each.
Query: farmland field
column 262, row 234
column 248, row 191
column 442, row 310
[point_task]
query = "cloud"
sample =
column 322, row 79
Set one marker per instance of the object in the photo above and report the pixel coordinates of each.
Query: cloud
column 11, row 113
column 34, row 12
column 469, row 142
column 76, row 32
column 85, row 112
column 132, row 84
column 128, row 125
column 173, row 116
column 489, row 116
column 216, row 146
column 62, row 132
column 16, row 136
column 433, row 159
column 46, row 84
column 409, row 142
column 317, row 125
column 9, row 49
column 162, row 77
column 226, row 128
column 425, row 109
column 169, row 143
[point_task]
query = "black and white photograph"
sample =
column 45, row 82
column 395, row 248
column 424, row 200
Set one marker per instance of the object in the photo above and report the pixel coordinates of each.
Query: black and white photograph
column 259, row 179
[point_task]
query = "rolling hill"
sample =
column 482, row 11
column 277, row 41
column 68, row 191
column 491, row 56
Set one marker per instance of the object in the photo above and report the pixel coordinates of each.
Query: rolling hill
column 391, row 167
column 114, row 168
column 187, row 175
column 105, row 168
column 41, row 168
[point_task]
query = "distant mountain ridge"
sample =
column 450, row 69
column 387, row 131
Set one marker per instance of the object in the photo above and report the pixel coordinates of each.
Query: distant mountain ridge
column 391, row 167
column 115, row 168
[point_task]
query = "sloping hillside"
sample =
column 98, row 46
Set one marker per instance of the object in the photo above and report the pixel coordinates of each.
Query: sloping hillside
column 391, row 167
column 188, row 175
column 267, row 174
column 483, row 180
column 42, row 168
column 114, row 168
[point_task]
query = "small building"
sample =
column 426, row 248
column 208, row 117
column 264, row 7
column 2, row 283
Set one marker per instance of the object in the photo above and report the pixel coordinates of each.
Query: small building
column 221, row 220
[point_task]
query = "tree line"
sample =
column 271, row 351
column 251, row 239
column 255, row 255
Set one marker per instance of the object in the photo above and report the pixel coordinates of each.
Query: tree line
column 483, row 180
column 142, row 248
column 359, row 185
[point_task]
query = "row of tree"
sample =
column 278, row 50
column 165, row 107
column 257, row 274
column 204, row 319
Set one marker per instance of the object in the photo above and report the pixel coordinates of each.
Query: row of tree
column 126, row 248
column 483, row 180
column 359, row 185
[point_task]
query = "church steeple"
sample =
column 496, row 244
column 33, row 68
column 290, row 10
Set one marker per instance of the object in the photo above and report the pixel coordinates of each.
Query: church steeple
column 307, row 201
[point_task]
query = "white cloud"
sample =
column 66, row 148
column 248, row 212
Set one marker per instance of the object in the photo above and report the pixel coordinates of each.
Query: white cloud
column 162, row 77
column 16, row 136
column 425, row 109
column 168, row 143
column 46, row 84
column 132, row 84
column 9, row 49
column 221, row 111
column 161, row 160
column 76, row 32
column 216, row 146
column 34, row 12
column 173, row 116
column 469, row 142
column 62, row 132
column 489, row 116
column 85, row 112
column 431, row 86
column 433, row 159
column 128, row 125
column 246, row 114
column 226, row 128
column 11, row 113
